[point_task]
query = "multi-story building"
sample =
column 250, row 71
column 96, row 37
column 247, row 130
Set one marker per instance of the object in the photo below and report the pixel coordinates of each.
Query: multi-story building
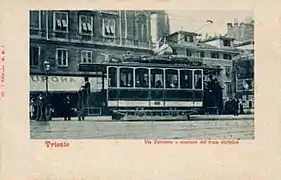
column 244, row 73
column 68, row 38
column 215, row 52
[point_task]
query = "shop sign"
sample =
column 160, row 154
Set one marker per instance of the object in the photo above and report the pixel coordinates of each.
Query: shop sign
column 63, row 83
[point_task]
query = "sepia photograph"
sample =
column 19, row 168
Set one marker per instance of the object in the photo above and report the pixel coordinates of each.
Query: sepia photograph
column 141, row 74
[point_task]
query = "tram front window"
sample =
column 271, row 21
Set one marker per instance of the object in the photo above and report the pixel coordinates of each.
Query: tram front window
column 186, row 79
column 126, row 77
column 198, row 79
column 141, row 76
column 157, row 78
column 172, row 78
column 112, row 77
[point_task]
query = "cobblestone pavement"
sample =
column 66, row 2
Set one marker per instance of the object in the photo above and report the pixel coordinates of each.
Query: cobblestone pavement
column 220, row 129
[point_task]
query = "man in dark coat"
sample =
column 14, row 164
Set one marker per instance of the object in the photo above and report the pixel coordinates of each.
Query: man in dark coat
column 235, row 105
column 81, row 103
column 87, row 88
column 241, row 108
column 67, row 108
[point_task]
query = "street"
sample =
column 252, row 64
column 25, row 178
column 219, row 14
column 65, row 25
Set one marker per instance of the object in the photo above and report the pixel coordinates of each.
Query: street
column 242, row 129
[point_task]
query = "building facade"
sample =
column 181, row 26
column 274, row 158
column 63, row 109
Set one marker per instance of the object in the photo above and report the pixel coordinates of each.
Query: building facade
column 215, row 52
column 244, row 74
column 68, row 38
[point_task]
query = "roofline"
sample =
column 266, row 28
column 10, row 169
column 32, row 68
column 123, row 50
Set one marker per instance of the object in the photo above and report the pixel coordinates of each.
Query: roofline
column 184, row 32
column 217, row 37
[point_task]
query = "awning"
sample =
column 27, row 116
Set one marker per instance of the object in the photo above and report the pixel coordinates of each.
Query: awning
column 63, row 83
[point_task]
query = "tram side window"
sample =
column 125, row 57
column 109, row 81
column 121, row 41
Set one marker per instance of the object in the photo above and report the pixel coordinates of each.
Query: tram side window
column 112, row 78
column 157, row 78
column 126, row 77
column 198, row 79
column 172, row 78
column 186, row 79
column 141, row 76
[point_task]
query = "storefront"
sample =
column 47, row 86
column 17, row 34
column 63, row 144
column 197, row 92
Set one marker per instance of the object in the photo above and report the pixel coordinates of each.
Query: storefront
column 61, row 86
column 244, row 79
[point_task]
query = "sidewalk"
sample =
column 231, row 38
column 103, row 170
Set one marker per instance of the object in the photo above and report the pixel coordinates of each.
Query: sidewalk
column 222, row 117
column 192, row 117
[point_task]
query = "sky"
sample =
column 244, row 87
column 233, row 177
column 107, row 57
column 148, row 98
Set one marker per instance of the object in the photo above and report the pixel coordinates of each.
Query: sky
column 193, row 20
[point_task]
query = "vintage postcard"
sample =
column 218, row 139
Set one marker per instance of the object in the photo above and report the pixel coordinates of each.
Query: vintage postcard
column 97, row 92
column 131, row 74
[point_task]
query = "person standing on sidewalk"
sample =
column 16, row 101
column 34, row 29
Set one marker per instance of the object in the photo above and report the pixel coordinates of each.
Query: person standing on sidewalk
column 87, row 88
column 31, row 108
column 40, row 115
column 235, row 106
column 80, row 104
column 241, row 108
column 87, row 92
column 67, row 108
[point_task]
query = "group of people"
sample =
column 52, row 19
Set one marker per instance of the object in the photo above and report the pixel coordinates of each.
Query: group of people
column 82, row 102
column 233, row 106
column 39, row 105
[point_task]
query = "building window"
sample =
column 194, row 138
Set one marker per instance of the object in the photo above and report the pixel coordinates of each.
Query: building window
column 202, row 54
column 185, row 38
column 226, row 43
column 62, row 57
column 174, row 51
column 188, row 53
column 86, row 56
column 61, row 21
column 227, row 56
column 34, row 54
column 215, row 55
column 86, row 24
column 35, row 19
column 188, row 38
column 227, row 72
column 109, row 27
column 228, row 89
column 142, row 27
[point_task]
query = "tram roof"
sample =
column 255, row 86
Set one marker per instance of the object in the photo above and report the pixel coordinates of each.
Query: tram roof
column 100, row 67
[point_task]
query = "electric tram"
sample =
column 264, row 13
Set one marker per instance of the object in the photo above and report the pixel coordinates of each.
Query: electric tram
column 168, row 88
